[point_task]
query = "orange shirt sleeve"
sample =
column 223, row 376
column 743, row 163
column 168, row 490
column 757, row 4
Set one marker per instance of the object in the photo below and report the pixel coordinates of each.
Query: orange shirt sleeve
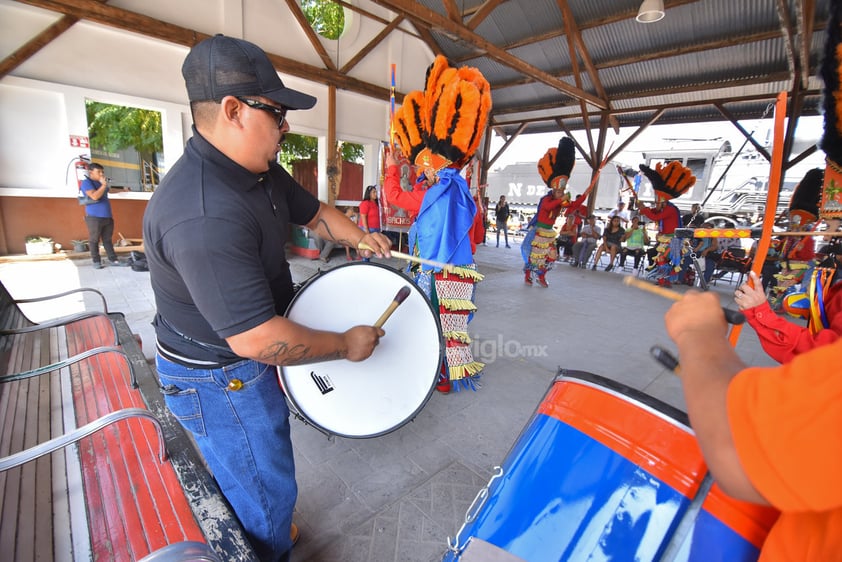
column 787, row 427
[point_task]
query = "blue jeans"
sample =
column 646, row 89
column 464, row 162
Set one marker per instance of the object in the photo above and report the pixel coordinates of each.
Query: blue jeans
column 244, row 437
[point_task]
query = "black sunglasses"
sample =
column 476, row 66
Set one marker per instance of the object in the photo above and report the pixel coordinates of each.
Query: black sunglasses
column 278, row 113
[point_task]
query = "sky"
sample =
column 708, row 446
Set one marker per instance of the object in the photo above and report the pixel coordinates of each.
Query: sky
column 530, row 148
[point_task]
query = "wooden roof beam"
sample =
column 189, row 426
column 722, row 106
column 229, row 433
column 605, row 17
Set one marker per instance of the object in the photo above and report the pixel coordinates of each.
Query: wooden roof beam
column 426, row 37
column 806, row 14
column 452, row 11
column 430, row 18
column 664, row 53
column 506, row 145
column 21, row 55
column 157, row 29
column 371, row 45
column 788, row 35
column 374, row 17
column 730, row 117
column 586, row 154
column 651, row 121
column 312, row 36
column 482, row 12
column 642, row 109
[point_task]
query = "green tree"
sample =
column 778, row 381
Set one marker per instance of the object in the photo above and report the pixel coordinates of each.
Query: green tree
column 325, row 17
column 115, row 127
column 303, row 147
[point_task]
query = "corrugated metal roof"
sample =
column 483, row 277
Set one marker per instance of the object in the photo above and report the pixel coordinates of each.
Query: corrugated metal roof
column 701, row 54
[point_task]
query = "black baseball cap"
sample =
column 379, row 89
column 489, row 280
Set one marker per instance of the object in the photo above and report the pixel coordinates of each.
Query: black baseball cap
column 226, row 66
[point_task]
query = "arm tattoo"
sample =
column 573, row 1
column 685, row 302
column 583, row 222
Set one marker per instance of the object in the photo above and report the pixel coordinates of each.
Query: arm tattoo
column 281, row 353
column 331, row 236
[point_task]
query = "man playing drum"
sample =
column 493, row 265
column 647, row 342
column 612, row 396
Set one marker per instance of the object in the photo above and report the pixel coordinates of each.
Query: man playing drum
column 215, row 231
column 769, row 435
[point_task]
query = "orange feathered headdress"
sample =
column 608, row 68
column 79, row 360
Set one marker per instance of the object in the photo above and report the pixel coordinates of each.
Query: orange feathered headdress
column 453, row 116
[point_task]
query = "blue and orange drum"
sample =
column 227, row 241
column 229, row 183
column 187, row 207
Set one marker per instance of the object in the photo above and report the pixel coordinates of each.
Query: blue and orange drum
column 604, row 472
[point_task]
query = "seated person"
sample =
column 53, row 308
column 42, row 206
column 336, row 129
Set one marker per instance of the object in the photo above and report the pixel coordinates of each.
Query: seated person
column 567, row 236
column 695, row 218
column 611, row 242
column 588, row 238
column 771, row 263
column 707, row 252
column 621, row 212
column 636, row 240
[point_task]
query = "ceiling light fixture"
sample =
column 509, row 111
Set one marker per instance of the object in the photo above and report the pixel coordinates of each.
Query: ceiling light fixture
column 650, row 11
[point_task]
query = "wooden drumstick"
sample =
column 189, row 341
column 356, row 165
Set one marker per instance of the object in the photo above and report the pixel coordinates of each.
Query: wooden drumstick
column 399, row 298
column 732, row 316
column 408, row 257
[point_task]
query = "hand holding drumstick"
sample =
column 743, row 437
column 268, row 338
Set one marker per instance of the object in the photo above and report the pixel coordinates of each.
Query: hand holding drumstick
column 732, row 316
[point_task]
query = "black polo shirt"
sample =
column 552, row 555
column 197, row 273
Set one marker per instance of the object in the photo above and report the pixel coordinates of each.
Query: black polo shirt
column 214, row 235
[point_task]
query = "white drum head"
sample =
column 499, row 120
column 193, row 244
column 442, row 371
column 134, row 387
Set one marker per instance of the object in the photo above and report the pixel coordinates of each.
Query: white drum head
column 382, row 393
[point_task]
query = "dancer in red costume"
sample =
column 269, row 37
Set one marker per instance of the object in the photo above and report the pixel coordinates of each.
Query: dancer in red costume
column 669, row 182
column 538, row 247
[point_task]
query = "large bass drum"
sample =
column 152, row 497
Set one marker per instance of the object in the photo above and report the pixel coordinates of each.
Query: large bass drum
column 376, row 396
column 603, row 472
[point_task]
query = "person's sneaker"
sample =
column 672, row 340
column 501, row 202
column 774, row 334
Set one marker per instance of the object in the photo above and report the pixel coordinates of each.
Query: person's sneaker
column 118, row 263
column 574, row 263
column 609, row 267
column 593, row 267
column 293, row 533
column 98, row 265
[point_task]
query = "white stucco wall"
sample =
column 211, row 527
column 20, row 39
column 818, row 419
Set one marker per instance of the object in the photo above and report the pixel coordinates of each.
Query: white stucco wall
column 42, row 100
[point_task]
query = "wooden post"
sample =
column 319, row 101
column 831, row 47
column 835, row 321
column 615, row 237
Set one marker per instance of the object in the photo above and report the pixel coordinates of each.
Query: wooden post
column 333, row 167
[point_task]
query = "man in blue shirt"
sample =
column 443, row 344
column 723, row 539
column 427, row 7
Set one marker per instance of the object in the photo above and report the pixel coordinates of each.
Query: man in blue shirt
column 98, row 216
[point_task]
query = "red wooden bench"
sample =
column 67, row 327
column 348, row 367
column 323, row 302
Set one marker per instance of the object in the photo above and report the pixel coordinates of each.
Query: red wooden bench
column 83, row 470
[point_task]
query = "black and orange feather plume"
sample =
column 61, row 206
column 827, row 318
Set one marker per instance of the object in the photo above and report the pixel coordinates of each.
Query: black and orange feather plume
column 557, row 163
column 670, row 181
column 806, row 197
column 410, row 131
column 458, row 102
